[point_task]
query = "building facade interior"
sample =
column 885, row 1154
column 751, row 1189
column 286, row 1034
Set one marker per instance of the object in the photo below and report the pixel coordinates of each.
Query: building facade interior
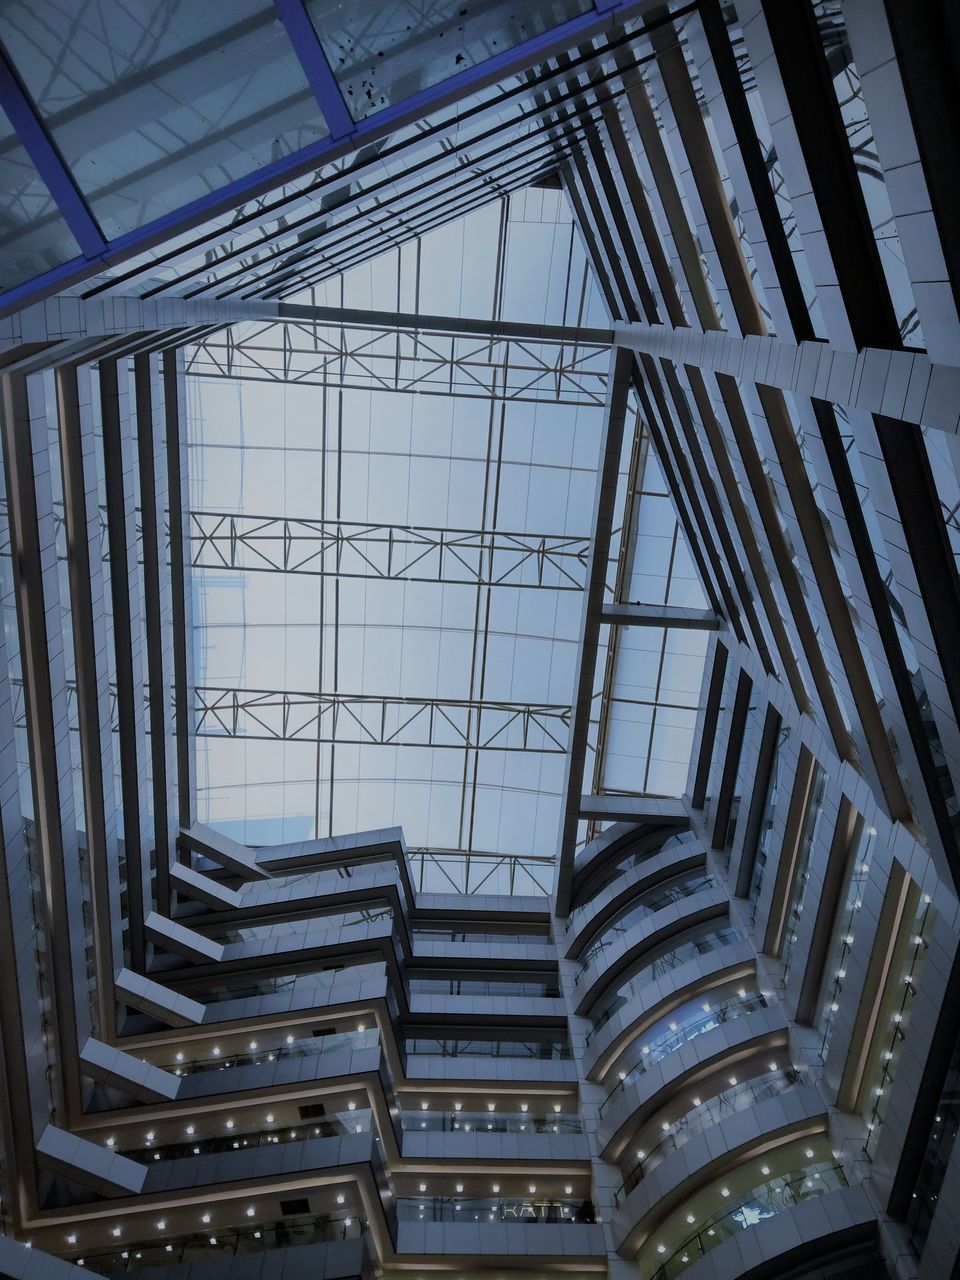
column 480, row 663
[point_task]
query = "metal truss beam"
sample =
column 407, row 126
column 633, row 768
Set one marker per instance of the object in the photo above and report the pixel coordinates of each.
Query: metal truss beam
column 278, row 715
column 391, row 359
column 281, row 716
column 273, row 544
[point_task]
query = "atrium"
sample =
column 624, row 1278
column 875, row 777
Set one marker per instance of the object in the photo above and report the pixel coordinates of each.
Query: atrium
column 480, row 673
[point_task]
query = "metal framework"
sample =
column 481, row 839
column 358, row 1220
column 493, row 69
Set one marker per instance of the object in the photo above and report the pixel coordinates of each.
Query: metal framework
column 279, row 715
column 399, row 553
column 393, row 360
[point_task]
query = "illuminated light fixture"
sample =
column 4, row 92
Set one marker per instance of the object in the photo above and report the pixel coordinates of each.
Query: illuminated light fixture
column 532, row 1188
column 161, row 1225
column 622, row 1075
column 269, row 1118
column 230, row 1124
column 423, row 1186
column 361, row 1026
column 641, row 1155
column 116, row 1231
column 216, row 1051
column 250, row 1211
column 151, row 1135
column 524, row 1106
column 724, row 1191
column 179, row 1057
column 741, row 992
column 111, row 1141
column 341, row 1198
column 706, row 1006
column 568, row 1191
column 424, row 1106
column 841, row 973
column 773, row 1066
column 645, row 1049
column 351, row 1106
column 733, row 1079
column 665, row 1126
column 765, row 1170
column 808, row 1153
column 253, row 1044
column 661, row 1248
column 556, row 1108
column 695, row 1101
column 289, row 1039
column 205, row 1218
column 71, row 1239
column 458, row 1106
column 691, row 1219
column 673, row 1026
column 496, row 1188
column 459, row 1188
column 491, row 1106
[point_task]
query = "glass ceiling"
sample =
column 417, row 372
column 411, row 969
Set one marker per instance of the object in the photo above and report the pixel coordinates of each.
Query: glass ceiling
column 389, row 544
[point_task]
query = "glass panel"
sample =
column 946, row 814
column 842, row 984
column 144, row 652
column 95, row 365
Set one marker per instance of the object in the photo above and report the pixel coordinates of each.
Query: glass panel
column 383, row 53
column 155, row 106
column 33, row 236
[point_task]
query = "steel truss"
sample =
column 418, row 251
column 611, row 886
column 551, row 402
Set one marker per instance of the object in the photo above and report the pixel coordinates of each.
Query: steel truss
column 279, row 715
column 341, row 548
column 383, row 359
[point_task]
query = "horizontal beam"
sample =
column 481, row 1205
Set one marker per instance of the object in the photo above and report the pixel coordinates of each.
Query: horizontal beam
column 364, row 720
column 401, row 553
column 646, row 810
column 659, row 615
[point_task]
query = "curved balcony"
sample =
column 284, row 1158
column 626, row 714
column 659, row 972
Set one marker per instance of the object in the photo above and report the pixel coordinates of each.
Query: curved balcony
column 593, row 916
column 702, row 973
column 622, row 840
column 716, row 1153
column 646, row 934
column 669, row 887
column 633, row 1104
column 744, row 1249
column 705, row 1114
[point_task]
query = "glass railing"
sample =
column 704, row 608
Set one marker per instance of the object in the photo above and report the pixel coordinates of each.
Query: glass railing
column 318, row 981
column 483, row 987
column 215, row 1245
column 309, row 1047
column 652, row 901
column 658, row 1045
column 313, row 924
column 739, row 1097
column 473, row 1048
column 494, row 1209
column 764, row 1201
column 238, row 1139
column 624, row 863
column 640, row 980
column 462, row 935
column 486, row 1122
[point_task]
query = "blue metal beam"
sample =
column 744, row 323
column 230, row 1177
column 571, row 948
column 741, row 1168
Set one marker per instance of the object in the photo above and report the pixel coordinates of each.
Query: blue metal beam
column 381, row 123
column 307, row 46
column 48, row 162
